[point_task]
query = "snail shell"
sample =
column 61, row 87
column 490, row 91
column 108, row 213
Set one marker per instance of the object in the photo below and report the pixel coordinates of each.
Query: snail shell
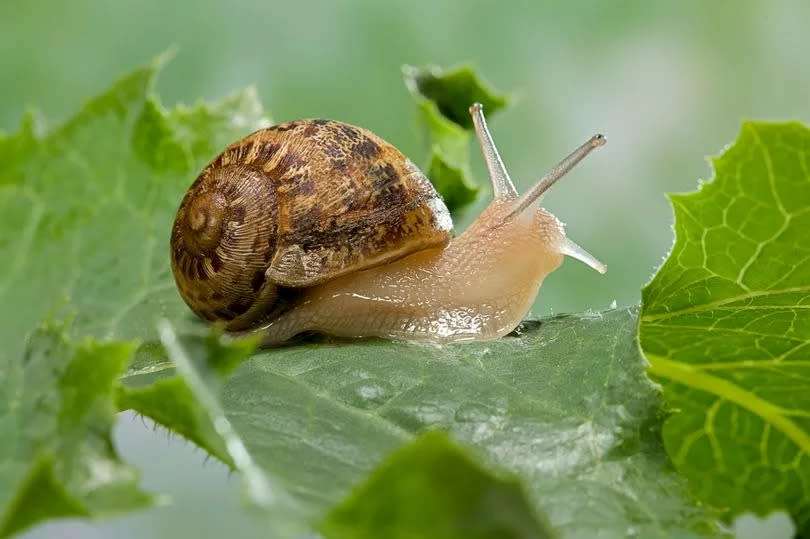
column 292, row 206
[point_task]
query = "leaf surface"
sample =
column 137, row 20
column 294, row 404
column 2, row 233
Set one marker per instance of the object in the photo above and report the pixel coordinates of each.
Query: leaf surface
column 565, row 406
column 85, row 213
column 432, row 489
column 725, row 325
column 56, row 414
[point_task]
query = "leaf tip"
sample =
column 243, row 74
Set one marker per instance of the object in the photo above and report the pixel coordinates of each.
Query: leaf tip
column 160, row 60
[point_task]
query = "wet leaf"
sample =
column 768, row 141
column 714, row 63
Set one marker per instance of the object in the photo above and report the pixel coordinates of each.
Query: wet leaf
column 565, row 407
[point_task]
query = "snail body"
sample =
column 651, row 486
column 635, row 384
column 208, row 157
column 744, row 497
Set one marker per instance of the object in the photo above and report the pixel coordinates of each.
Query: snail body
column 317, row 225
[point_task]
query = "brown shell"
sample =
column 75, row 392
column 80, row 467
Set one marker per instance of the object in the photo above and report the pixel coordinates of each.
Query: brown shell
column 294, row 205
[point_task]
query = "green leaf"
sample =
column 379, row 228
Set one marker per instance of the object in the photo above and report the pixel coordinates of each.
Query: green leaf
column 432, row 489
column 725, row 325
column 451, row 180
column 170, row 400
column 565, row 406
column 85, row 215
column 56, row 415
column 453, row 91
column 443, row 99
column 200, row 363
column 86, row 210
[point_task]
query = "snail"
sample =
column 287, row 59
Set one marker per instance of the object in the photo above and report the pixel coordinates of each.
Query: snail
column 318, row 225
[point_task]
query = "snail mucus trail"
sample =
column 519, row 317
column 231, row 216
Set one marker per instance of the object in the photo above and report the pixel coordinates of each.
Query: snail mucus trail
column 317, row 225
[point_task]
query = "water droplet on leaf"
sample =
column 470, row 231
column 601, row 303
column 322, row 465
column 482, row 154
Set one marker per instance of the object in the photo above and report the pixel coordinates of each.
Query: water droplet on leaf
column 367, row 393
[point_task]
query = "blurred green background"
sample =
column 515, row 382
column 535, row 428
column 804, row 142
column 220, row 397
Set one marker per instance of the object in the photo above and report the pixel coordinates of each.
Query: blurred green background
column 667, row 82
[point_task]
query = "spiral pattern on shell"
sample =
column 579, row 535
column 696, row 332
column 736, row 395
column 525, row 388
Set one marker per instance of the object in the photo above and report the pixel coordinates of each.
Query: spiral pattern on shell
column 222, row 244
column 294, row 205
